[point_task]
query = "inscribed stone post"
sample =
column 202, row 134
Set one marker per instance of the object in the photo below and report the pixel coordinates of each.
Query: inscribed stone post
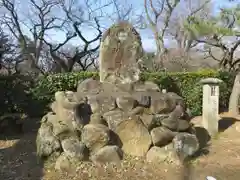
column 120, row 51
column 210, row 106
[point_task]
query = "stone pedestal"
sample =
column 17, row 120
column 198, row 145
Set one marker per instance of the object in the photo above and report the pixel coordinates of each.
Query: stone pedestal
column 210, row 105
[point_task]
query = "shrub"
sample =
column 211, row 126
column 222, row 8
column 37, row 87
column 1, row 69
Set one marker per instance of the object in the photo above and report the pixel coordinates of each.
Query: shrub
column 16, row 97
column 42, row 91
column 187, row 85
column 46, row 86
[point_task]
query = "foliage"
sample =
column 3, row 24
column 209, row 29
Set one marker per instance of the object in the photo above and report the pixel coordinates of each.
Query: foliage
column 16, row 97
column 187, row 85
column 224, row 23
column 215, row 33
column 21, row 95
column 47, row 85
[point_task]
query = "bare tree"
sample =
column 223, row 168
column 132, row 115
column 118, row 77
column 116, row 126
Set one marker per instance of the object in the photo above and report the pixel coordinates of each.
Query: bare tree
column 220, row 33
column 70, row 18
column 166, row 19
column 158, row 15
column 122, row 10
column 4, row 44
column 40, row 21
column 174, row 60
column 177, row 60
column 185, row 10
column 65, row 59
column 8, row 53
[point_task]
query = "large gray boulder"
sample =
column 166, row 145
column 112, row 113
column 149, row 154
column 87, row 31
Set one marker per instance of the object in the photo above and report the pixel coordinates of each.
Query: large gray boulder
column 108, row 154
column 134, row 136
column 46, row 142
column 95, row 136
column 161, row 136
column 73, row 148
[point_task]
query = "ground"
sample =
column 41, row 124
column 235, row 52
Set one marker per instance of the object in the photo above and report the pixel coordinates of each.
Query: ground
column 18, row 160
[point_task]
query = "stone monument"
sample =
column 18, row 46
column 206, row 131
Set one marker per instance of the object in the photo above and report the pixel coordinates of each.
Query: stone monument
column 210, row 104
column 120, row 51
column 118, row 115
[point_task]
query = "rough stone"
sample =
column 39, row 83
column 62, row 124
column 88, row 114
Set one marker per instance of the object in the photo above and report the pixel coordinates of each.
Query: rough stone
column 89, row 85
column 108, row 154
column 74, row 148
column 157, row 155
column 102, row 103
column 46, row 142
column 175, row 100
column 238, row 128
column 125, row 103
column 185, row 144
column 158, row 118
column 120, row 50
column 151, row 86
column 146, row 86
column 95, row 136
column 114, row 118
column 163, row 154
column 136, row 111
column 160, row 103
column 126, row 87
column 143, row 99
column 66, row 116
column 110, row 88
column 97, row 118
column 161, row 136
column 64, row 109
column 65, row 101
column 134, row 136
column 183, row 125
column 94, row 104
column 46, row 118
column 62, row 163
column 58, row 126
column 71, row 96
column 53, row 107
column 148, row 120
column 172, row 122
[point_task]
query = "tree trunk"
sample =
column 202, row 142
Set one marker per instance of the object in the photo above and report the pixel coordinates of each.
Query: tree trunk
column 235, row 95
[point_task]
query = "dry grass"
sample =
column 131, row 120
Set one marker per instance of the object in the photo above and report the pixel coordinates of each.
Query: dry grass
column 18, row 161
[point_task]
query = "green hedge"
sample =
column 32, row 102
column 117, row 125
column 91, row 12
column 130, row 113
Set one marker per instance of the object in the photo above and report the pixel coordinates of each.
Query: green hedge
column 41, row 91
column 187, row 85
column 16, row 96
column 47, row 85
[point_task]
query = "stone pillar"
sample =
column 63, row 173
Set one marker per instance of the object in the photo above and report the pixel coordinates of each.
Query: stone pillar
column 210, row 105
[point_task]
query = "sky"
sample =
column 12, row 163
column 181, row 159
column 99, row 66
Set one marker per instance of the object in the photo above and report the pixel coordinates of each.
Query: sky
column 146, row 35
column 148, row 41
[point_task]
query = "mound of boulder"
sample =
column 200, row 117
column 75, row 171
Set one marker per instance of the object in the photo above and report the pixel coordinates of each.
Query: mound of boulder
column 101, row 122
column 117, row 115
